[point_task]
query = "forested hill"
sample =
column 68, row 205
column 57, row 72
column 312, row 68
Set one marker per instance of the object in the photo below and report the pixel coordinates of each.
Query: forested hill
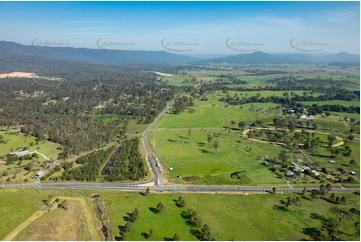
column 92, row 56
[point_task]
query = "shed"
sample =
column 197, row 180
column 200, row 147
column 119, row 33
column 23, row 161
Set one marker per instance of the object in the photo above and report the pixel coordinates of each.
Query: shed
column 318, row 168
column 38, row 174
column 21, row 153
column 290, row 174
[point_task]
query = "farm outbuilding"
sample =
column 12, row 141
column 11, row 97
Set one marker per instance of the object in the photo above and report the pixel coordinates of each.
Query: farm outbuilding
column 21, row 153
column 38, row 174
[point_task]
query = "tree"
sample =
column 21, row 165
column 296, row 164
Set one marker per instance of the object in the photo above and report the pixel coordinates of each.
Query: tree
column 2, row 139
column 350, row 137
column 288, row 202
column 332, row 196
column 313, row 194
column 283, row 156
column 273, row 190
column 303, row 191
column 357, row 227
column 209, row 138
column 352, row 162
column 331, row 138
column 323, row 190
column 127, row 227
column 340, row 214
column 350, row 179
column 133, row 216
column 216, row 145
column 160, row 207
column 233, row 123
column 206, row 233
column 242, row 124
column 189, row 133
column 349, row 153
column 328, row 187
column 314, row 125
column 176, row 237
column 150, row 234
column 276, row 123
column 180, row 202
column 147, row 191
column 331, row 227
column 291, row 126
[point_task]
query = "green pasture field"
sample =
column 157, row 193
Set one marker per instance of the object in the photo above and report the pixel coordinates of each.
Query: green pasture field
column 107, row 119
column 333, row 102
column 177, row 80
column 230, row 217
column 16, row 141
column 266, row 93
column 321, row 136
column 196, row 161
column 210, row 117
column 135, row 129
column 17, row 206
column 330, row 125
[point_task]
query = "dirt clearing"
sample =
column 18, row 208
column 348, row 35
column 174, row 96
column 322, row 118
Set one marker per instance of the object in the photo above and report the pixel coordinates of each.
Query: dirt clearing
column 73, row 223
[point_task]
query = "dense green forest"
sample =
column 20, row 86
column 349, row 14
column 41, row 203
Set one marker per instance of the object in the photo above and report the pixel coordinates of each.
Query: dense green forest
column 91, row 166
column 128, row 164
column 66, row 111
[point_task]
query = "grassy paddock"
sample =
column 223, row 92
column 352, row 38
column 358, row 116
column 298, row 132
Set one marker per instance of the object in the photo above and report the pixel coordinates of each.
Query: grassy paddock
column 262, row 217
column 194, row 160
column 230, row 217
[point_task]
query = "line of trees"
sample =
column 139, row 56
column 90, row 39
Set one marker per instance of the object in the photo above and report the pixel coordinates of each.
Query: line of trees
column 181, row 103
column 128, row 164
column 89, row 170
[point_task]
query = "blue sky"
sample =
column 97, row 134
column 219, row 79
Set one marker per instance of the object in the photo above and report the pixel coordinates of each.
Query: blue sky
column 186, row 27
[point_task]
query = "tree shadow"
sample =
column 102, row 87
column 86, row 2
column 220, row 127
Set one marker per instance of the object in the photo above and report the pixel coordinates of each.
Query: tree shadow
column 121, row 228
column 196, row 233
column 168, row 239
column 145, row 235
column 154, row 210
column 171, row 140
column 201, row 144
column 318, row 217
column 236, row 174
column 126, row 218
column 306, row 198
column 204, row 151
column 280, row 208
column 314, row 233
column 328, row 200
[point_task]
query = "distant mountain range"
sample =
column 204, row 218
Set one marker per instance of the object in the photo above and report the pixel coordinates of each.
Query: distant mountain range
column 265, row 58
column 14, row 51
column 94, row 56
